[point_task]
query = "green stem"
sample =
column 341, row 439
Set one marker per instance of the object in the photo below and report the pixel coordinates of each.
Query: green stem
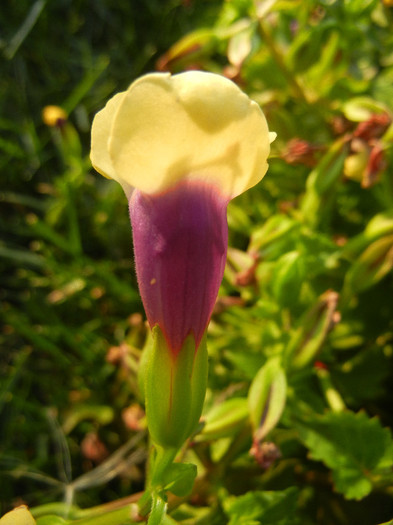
column 125, row 515
column 279, row 59
column 163, row 459
column 74, row 230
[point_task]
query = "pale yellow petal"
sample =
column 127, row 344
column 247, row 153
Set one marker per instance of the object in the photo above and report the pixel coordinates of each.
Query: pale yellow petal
column 18, row 516
column 194, row 125
column 100, row 133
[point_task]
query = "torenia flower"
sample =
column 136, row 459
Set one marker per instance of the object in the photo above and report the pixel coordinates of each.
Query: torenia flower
column 182, row 147
column 188, row 144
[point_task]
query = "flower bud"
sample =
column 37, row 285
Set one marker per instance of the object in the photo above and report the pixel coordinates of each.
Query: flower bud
column 54, row 116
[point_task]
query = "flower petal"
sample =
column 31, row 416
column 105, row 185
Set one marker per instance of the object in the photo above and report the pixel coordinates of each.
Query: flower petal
column 100, row 133
column 180, row 243
column 194, row 126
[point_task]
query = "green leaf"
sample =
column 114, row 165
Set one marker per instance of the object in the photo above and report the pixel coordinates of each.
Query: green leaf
column 267, row 396
column 314, row 326
column 288, row 277
column 359, row 109
column 269, row 508
column 370, row 267
column 322, row 184
column 355, row 447
column 51, row 520
column 99, row 413
column 225, row 419
column 179, row 478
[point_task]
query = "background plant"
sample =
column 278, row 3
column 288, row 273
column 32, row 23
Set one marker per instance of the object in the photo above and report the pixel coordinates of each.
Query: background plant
column 303, row 330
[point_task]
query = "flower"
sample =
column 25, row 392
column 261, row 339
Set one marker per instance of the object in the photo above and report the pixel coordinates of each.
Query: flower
column 181, row 146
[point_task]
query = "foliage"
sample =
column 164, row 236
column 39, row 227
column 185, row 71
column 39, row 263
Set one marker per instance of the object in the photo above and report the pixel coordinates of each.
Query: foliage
column 306, row 301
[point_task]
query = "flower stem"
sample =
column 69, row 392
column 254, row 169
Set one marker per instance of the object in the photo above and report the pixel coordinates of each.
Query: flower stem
column 152, row 500
column 114, row 517
column 289, row 76
column 163, row 459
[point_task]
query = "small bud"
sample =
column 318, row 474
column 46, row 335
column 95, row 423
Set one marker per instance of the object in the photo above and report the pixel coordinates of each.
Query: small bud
column 54, row 116
column 93, row 448
column 375, row 166
column 372, row 128
column 265, row 453
column 134, row 417
column 356, row 164
column 300, row 151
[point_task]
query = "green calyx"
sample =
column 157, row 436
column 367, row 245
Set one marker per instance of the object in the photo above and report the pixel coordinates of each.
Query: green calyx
column 175, row 387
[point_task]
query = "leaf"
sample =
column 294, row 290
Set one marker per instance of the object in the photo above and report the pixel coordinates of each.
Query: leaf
column 269, row 508
column 322, row 184
column 362, row 377
column 225, row 419
column 314, row 326
column 370, row 267
column 358, row 109
column 99, row 413
column 355, row 447
column 240, row 46
column 51, row 520
column 267, row 396
column 179, row 478
column 288, row 277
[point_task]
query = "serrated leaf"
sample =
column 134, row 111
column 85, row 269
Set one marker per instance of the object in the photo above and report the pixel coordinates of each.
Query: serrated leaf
column 354, row 446
column 269, row 508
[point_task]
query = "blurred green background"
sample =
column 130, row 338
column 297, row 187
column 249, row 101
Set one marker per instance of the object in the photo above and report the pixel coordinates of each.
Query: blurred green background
column 308, row 282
